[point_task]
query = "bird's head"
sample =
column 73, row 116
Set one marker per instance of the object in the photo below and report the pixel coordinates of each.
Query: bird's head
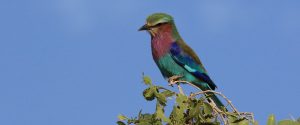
column 158, row 22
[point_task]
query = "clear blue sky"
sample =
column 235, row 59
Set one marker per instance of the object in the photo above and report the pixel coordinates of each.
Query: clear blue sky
column 79, row 62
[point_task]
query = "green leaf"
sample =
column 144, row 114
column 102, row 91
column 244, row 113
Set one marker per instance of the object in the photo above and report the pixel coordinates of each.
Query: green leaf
column 288, row 122
column 232, row 120
column 177, row 115
column 271, row 120
column 160, row 113
column 149, row 93
column 144, row 123
column 168, row 93
column 243, row 122
column 122, row 117
column 145, row 119
column 120, row 123
column 161, row 99
column 146, row 116
column 181, row 98
column 181, row 101
column 207, row 108
column 147, row 80
column 194, row 111
column 194, row 108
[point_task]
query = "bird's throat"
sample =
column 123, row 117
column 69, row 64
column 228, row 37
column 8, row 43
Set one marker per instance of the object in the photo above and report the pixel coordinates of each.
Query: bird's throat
column 162, row 39
column 160, row 44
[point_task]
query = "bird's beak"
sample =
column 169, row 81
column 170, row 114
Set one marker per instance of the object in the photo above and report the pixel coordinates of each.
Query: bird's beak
column 144, row 27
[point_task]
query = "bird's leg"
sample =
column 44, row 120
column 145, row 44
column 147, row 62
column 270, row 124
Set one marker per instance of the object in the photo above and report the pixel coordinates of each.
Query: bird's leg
column 173, row 80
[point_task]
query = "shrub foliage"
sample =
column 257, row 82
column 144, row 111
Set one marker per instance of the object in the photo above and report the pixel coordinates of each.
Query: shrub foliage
column 189, row 110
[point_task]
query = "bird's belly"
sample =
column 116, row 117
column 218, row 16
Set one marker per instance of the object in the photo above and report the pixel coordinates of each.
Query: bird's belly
column 169, row 67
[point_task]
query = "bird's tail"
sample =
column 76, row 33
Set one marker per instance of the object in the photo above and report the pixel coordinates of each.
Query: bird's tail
column 211, row 97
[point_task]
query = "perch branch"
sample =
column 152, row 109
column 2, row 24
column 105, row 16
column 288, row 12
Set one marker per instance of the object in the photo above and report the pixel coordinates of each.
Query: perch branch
column 173, row 80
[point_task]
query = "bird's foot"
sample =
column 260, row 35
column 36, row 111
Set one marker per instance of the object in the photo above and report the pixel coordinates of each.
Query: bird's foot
column 173, row 80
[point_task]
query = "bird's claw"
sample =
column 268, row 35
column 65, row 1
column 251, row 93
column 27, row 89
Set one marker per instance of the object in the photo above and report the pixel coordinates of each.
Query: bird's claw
column 173, row 80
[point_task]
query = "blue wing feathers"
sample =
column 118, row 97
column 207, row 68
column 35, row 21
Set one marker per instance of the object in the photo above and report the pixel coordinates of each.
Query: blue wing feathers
column 204, row 77
column 190, row 65
column 175, row 49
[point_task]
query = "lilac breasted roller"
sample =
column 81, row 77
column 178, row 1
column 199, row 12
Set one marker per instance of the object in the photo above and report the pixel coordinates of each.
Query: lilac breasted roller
column 174, row 57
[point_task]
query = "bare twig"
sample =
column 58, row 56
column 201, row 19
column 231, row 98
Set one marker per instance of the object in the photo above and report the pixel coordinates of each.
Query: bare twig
column 248, row 115
column 181, row 81
column 221, row 114
column 220, row 94
column 180, row 89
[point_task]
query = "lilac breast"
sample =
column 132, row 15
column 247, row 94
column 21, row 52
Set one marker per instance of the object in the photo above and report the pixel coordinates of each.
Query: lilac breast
column 160, row 45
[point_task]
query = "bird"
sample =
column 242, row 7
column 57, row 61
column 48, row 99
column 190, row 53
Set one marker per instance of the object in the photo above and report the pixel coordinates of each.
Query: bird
column 174, row 57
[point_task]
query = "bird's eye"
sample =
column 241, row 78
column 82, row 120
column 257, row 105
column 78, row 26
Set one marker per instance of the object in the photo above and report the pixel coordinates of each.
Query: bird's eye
column 159, row 24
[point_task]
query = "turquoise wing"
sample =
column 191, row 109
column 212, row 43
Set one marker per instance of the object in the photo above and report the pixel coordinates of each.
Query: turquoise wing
column 190, row 64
